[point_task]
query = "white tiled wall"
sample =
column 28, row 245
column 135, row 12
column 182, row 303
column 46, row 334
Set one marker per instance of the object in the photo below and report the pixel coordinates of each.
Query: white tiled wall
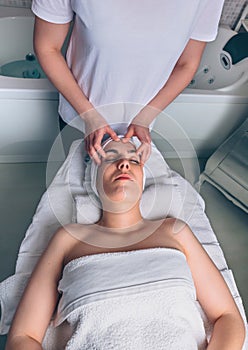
column 16, row 3
column 230, row 15
column 232, row 11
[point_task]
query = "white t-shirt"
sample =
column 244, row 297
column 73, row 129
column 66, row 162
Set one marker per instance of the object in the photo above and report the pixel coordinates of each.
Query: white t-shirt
column 124, row 51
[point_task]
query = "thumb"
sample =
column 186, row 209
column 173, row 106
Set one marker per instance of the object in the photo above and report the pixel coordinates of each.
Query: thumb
column 112, row 134
column 129, row 133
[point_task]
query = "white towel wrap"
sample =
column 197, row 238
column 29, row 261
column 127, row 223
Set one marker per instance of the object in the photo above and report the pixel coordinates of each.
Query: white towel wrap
column 142, row 299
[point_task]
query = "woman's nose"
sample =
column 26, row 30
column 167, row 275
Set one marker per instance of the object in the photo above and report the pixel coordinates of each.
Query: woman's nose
column 123, row 164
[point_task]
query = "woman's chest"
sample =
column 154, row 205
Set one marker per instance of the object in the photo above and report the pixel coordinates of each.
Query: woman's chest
column 155, row 235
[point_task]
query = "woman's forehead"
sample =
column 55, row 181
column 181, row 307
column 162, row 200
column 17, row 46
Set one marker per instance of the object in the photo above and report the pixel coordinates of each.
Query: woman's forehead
column 120, row 146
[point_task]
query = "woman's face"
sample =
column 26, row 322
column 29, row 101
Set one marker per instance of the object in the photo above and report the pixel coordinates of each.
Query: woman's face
column 120, row 175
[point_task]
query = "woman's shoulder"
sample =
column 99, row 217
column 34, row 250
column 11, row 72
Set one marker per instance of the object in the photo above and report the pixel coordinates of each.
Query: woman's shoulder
column 71, row 232
column 71, row 240
column 184, row 236
column 177, row 232
column 163, row 233
column 173, row 226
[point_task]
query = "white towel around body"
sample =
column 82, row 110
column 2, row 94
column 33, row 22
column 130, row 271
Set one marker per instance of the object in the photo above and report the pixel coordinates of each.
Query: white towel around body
column 143, row 299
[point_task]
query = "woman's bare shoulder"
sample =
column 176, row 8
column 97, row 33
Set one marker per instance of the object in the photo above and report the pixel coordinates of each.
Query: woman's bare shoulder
column 66, row 237
column 179, row 232
column 173, row 226
column 166, row 233
column 182, row 233
column 73, row 231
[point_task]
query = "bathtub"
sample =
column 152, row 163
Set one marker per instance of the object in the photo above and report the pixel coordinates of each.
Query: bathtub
column 28, row 107
column 199, row 121
column 214, row 104
column 202, row 117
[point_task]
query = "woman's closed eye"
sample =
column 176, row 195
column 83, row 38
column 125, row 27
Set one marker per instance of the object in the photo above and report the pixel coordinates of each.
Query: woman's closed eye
column 111, row 159
column 135, row 161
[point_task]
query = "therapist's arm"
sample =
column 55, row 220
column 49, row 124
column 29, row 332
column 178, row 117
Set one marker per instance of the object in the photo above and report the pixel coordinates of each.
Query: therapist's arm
column 48, row 42
column 179, row 79
column 181, row 76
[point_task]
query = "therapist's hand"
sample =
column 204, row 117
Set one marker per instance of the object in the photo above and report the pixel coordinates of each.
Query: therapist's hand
column 140, row 127
column 143, row 134
column 95, row 128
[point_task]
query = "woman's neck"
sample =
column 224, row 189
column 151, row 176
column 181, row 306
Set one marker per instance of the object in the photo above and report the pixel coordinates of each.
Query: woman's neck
column 122, row 221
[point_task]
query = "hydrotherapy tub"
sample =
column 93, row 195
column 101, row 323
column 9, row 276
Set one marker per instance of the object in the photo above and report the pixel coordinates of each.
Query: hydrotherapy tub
column 216, row 101
column 28, row 107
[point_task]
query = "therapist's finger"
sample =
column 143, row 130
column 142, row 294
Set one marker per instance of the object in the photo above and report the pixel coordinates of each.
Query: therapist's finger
column 144, row 151
column 97, row 147
column 95, row 156
column 112, row 133
column 129, row 133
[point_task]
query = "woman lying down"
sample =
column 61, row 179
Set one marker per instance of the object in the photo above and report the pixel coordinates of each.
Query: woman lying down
column 126, row 283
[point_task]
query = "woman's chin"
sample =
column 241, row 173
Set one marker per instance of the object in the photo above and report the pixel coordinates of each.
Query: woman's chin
column 122, row 199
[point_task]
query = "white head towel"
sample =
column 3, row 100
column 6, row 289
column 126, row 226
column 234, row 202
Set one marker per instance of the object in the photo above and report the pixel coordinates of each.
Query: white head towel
column 94, row 167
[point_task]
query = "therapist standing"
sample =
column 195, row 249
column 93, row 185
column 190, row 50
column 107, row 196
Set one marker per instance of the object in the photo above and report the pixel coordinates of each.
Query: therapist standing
column 139, row 52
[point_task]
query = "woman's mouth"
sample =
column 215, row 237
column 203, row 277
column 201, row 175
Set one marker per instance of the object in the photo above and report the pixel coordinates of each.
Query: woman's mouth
column 123, row 177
